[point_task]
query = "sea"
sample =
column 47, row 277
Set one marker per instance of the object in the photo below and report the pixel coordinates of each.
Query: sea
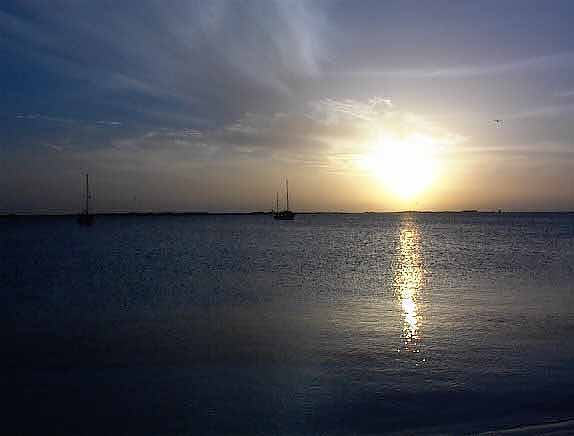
column 331, row 324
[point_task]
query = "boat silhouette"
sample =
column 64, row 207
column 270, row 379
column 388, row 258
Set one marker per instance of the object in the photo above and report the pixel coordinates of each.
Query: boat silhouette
column 284, row 214
column 86, row 218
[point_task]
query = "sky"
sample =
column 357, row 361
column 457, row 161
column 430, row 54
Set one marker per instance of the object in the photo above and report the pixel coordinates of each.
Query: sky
column 210, row 105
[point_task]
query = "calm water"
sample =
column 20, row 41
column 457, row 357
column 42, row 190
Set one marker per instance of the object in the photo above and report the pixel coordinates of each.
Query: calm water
column 331, row 324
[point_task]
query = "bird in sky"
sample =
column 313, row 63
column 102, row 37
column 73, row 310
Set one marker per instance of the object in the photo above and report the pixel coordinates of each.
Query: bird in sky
column 498, row 123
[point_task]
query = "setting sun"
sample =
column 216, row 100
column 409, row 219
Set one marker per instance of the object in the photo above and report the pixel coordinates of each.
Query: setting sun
column 406, row 166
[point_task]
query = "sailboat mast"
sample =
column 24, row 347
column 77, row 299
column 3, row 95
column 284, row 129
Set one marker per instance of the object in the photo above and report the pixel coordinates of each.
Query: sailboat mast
column 87, row 194
column 287, row 185
column 276, row 201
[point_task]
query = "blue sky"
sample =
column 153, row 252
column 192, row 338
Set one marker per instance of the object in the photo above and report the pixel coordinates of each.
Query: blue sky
column 196, row 105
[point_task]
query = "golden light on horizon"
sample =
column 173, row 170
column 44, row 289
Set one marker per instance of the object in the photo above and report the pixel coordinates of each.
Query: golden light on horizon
column 405, row 165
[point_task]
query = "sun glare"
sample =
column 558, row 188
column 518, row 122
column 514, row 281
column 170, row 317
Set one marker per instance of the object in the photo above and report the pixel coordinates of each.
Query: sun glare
column 406, row 166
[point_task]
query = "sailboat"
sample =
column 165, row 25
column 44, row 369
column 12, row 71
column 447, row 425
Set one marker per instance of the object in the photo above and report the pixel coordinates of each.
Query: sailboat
column 85, row 218
column 285, row 214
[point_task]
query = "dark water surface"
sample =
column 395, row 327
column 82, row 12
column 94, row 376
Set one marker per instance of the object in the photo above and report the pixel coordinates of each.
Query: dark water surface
column 331, row 324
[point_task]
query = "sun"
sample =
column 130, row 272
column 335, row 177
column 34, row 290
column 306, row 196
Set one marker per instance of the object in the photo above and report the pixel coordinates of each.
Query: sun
column 406, row 166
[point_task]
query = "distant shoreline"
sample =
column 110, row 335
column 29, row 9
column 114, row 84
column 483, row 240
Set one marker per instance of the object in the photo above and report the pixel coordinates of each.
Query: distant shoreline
column 201, row 213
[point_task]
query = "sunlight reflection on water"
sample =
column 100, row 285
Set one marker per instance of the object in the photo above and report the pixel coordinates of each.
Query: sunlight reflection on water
column 408, row 284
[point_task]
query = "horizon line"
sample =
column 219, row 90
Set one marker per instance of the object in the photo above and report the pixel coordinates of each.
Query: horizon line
column 256, row 212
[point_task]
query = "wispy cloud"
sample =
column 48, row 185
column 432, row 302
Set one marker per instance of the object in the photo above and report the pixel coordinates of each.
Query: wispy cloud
column 210, row 57
column 327, row 134
column 331, row 110
column 540, row 152
column 541, row 112
column 560, row 60
column 54, row 119
column 55, row 147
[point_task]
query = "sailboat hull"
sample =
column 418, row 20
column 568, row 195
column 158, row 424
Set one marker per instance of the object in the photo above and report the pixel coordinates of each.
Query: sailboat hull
column 286, row 215
column 85, row 219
